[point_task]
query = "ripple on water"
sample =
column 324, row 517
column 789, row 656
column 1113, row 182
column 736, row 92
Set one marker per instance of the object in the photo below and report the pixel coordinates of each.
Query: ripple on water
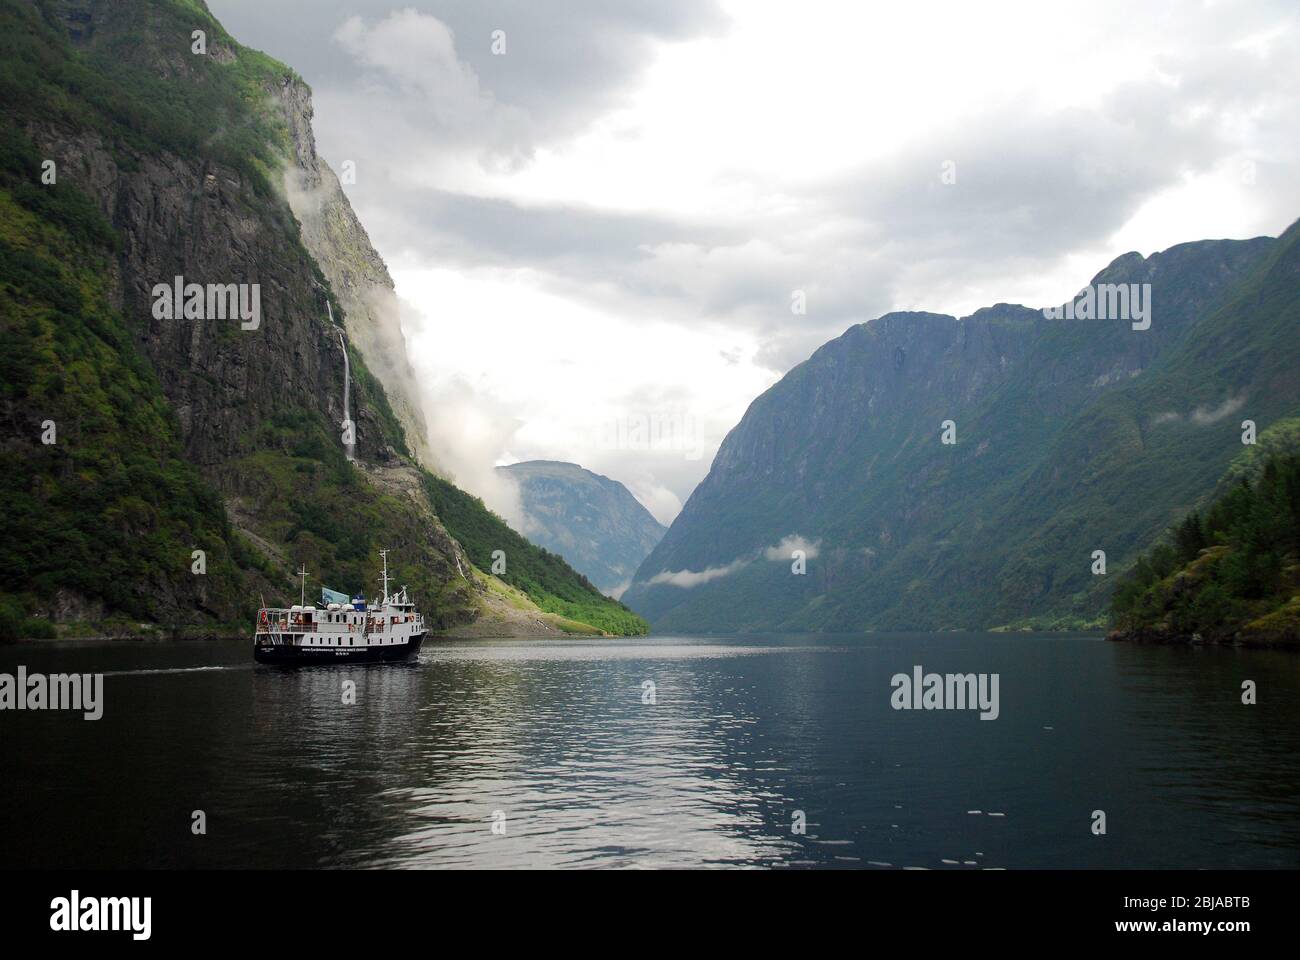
column 743, row 734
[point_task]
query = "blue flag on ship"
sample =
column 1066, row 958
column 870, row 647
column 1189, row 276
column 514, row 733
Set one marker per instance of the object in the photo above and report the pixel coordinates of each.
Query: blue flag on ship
column 332, row 596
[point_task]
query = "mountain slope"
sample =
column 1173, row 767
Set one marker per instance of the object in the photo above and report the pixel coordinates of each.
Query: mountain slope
column 1071, row 436
column 543, row 576
column 590, row 520
column 181, row 431
column 1228, row 574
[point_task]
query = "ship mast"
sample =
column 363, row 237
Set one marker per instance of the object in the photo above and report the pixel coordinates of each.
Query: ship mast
column 302, row 594
column 384, row 577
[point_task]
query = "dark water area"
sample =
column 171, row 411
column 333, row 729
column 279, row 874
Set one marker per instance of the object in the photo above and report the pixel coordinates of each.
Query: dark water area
column 744, row 734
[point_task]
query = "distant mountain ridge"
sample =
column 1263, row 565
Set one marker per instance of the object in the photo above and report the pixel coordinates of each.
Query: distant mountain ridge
column 1071, row 436
column 592, row 521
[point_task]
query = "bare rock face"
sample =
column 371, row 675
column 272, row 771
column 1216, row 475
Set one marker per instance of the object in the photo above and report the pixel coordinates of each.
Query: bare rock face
column 356, row 272
column 203, row 222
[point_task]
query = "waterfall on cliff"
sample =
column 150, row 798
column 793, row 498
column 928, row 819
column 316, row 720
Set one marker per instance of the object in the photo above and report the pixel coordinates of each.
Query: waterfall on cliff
column 349, row 430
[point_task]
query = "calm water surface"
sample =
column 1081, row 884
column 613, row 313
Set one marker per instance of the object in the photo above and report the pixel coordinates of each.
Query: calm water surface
column 744, row 732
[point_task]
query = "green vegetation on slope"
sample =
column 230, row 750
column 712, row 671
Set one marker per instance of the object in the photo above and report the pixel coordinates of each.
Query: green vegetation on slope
column 1233, row 571
column 110, row 510
column 319, row 510
column 143, row 96
column 544, row 577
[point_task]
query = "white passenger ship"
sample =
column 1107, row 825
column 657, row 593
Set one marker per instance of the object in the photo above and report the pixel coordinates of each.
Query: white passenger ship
column 340, row 632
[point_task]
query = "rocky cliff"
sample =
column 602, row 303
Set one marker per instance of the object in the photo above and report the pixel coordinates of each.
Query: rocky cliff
column 355, row 271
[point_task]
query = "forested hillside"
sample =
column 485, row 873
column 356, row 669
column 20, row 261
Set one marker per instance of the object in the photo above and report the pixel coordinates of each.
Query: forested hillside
column 1230, row 572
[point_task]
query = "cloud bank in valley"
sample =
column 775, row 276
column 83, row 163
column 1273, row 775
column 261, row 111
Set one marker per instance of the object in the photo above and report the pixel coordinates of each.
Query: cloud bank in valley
column 783, row 551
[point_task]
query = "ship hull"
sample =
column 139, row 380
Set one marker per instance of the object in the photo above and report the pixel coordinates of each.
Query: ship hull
column 291, row 656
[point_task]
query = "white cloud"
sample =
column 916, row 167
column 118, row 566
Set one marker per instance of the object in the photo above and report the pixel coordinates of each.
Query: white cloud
column 663, row 504
column 686, row 579
column 784, row 549
column 513, row 371
column 1203, row 415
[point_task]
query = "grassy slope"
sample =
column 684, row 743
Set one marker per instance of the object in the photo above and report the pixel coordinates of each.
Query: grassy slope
column 542, row 575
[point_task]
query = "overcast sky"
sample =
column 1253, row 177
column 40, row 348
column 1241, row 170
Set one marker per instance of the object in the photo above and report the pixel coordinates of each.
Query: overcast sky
column 604, row 226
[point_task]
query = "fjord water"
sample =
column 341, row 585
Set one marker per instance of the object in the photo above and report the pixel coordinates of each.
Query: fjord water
column 743, row 733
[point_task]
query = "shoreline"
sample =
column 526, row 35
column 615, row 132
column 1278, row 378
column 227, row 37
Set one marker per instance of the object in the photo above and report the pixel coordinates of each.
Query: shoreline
column 210, row 636
column 1150, row 637
column 493, row 630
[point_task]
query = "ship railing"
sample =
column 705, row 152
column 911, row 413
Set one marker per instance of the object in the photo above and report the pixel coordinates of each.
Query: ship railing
column 367, row 626
column 276, row 626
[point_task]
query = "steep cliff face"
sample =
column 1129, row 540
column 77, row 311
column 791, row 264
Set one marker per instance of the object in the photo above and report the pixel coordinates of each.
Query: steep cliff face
column 188, row 432
column 356, row 272
column 1070, row 436
column 203, row 221
column 590, row 520
column 197, row 216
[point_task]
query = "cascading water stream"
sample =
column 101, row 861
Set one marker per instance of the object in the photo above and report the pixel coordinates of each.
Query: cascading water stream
column 349, row 434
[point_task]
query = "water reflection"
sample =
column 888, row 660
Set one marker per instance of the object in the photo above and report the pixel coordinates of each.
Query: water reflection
column 742, row 734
